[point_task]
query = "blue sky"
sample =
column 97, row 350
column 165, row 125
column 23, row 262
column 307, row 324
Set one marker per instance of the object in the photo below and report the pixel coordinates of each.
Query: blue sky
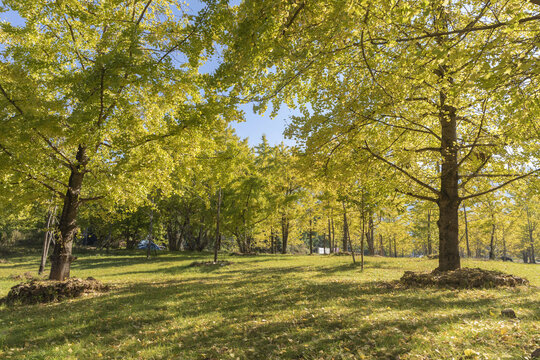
column 255, row 125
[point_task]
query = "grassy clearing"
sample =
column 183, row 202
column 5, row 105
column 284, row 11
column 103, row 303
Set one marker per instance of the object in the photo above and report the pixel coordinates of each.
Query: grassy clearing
column 268, row 307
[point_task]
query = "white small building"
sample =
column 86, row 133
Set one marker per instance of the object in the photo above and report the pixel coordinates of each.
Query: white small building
column 323, row 251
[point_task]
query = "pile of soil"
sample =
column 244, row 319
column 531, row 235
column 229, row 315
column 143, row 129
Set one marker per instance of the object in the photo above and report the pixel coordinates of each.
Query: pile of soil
column 210, row 263
column 465, row 278
column 44, row 291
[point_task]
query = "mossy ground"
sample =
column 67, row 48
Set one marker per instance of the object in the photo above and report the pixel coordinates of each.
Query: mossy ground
column 268, row 307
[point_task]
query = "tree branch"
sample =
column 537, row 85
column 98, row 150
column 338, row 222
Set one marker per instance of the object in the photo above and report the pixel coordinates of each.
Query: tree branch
column 406, row 173
column 421, row 197
column 11, row 101
column 500, row 186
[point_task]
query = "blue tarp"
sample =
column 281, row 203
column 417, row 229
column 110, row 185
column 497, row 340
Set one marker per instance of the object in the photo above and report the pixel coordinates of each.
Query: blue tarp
column 144, row 244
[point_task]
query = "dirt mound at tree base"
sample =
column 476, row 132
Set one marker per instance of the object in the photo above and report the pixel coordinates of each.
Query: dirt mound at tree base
column 465, row 278
column 44, row 291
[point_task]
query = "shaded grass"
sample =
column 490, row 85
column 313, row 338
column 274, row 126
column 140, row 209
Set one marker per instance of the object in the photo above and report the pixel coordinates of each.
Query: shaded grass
column 268, row 307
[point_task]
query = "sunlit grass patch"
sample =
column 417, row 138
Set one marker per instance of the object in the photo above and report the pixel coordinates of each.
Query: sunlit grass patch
column 269, row 307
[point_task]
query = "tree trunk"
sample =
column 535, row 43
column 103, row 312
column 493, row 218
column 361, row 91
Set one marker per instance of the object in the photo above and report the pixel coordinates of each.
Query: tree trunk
column 284, row 233
column 448, row 197
column 48, row 238
column 429, row 249
column 532, row 258
column 395, row 247
column 504, row 245
column 346, row 236
column 329, row 237
column 150, row 232
column 218, row 237
column 61, row 258
column 362, row 238
column 492, row 242
column 333, row 240
column 310, row 237
column 466, row 231
column 345, row 242
column 371, row 236
column 272, row 241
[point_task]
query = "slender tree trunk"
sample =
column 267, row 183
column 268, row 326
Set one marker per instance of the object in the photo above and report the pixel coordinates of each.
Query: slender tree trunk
column 448, row 197
column 48, row 237
column 310, row 236
column 329, row 237
column 272, row 241
column 345, row 242
column 61, row 258
column 346, row 235
column 218, row 235
column 492, row 241
column 532, row 258
column 381, row 246
column 363, row 233
column 395, row 247
column 150, row 232
column 504, row 245
column 429, row 249
column 333, row 241
column 371, row 235
column 284, row 233
column 466, row 231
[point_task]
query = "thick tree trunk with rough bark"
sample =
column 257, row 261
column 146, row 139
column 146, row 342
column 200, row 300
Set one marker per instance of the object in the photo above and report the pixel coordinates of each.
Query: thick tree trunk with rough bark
column 61, row 258
column 449, row 197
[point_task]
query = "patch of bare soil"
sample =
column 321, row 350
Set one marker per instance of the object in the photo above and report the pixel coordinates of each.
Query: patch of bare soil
column 243, row 254
column 466, row 278
column 44, row 291
column 210, row 263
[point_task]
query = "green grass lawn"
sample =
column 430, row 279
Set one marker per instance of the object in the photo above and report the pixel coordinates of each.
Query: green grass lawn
column 268, row 307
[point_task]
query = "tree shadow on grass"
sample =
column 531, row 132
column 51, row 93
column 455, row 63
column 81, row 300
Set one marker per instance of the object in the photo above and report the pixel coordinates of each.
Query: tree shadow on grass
column 240, row 312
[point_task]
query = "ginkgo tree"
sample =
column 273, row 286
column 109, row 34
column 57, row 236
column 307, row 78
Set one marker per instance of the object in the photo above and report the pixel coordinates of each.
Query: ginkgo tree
column 445, row 93
column 87, row 90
